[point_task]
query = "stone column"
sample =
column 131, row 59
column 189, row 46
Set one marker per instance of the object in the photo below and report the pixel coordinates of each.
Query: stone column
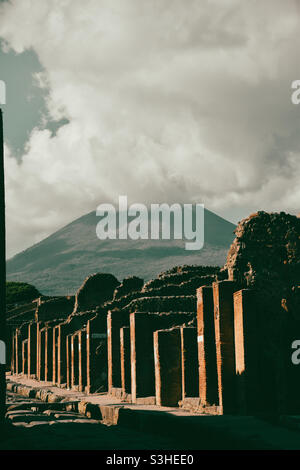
column 42, row 349
column 61, row 354
column 55, row 354
column 39, row 326
column 69, row 360
column 246, row 352
column 189, row 361
column 224, row 330
column 142, row 356
column 74, row 361
column 13, row 352
column 18, row 352
column 115, row 321
column 125, row 360
column 96, row 334
column 208, row 379
column 168, row 372
column 32, row 341
column 82, row 360
column 15, row 360
column 48, row 354
column 25, row 357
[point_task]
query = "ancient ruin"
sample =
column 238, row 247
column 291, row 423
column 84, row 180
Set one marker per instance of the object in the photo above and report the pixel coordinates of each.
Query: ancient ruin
column 215, row 340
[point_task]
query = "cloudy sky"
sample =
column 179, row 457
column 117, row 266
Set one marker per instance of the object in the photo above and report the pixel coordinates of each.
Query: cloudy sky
column 159, row 100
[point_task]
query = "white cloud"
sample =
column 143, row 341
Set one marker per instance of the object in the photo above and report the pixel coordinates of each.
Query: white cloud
column 168, row 100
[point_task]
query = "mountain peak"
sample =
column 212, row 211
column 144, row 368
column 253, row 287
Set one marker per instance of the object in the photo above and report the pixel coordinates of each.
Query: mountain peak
column 59, row 263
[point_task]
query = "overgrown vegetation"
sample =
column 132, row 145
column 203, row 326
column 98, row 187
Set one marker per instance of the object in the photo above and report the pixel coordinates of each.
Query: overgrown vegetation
column 17, row 292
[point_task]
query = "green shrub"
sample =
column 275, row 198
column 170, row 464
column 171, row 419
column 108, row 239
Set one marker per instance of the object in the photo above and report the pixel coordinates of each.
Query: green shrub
column 17, row 292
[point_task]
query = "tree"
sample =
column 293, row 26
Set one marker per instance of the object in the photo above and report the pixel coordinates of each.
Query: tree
column 20, row 292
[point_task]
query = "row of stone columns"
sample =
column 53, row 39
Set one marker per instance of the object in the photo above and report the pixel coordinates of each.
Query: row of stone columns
column 136, row 355
column 244, row 354
column 216, row 349
column 220, row 361
column 152, row 358
column 50, row 352
column 74, row 356
column 76, row 360
column 226, row 346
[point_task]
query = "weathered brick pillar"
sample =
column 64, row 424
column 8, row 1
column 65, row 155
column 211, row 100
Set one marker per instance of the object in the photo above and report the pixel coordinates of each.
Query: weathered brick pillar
column 168, row 372
column 61, row 354
column 189, row 362
column 224, row 330
column 208, row 379
column 48, row 354
column 125, row 359
column 74, row 361
column 82, row 360
column 69, row 360
column 25, row 357
column 39, row 326
column 92, row 339
column 18, row 343
column 55, row 354
column 96, row 347
column 247, row 352
column 90, row 356
column 32, row 340
column 12, row 363
column 42, row 350
column 142, row 356
column 14, row 353
column 115, row 321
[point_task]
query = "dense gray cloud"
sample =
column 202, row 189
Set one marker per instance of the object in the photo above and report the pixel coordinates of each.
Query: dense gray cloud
column 168, row 101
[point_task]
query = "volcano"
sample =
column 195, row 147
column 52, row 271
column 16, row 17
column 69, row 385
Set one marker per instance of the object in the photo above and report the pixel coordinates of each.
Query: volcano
column 58, row 264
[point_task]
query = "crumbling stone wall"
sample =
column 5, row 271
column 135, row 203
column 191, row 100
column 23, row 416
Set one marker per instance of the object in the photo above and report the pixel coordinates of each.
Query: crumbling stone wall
column 173, row 284
column 17, row 320
column 179, row 276
column 18, row 315
column 182, row 303
column 265, row 256
column 187, row 287
column 96, row 289
column 129, row 285
column 77, row 321
column 58, row 307
column 266, row 250
column 11, row 312
column 192, row 269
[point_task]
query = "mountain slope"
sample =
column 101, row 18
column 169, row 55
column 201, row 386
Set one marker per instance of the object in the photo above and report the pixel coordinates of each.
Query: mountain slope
column 59, row 263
